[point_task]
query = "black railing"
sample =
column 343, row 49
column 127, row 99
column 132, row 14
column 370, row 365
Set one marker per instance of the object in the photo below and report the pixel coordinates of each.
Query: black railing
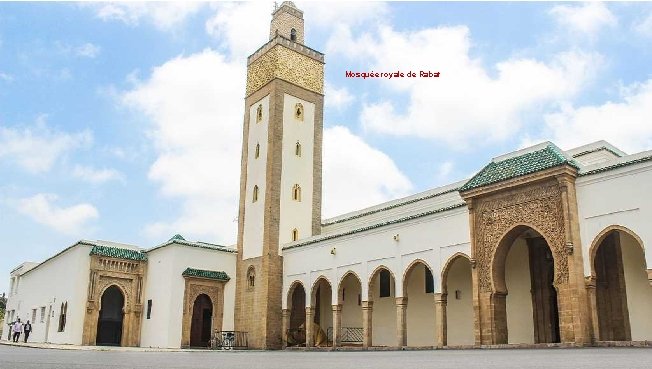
column 347, row 335
column 227, row 340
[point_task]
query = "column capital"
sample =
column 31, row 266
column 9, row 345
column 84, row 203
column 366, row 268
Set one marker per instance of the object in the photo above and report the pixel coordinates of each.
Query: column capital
column 649, row 276
column 401, row 301
column 367, row 305
column 590, row 282
column 310, row 310
column 337, row 307
column 441, row 298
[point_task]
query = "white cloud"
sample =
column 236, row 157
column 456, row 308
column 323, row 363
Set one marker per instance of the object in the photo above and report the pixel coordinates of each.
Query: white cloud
column 164, row 15
column 357, row 175
column 587, row 18
column 644, row 27
column 87, row 50
column 625, row 123
column 93, row 175
column 242, row 27
column 71, row 220
column 337, row 98
column 195, row 106
column 352, row 13
column 6, row 77
column 468, row 104
column 36, row 148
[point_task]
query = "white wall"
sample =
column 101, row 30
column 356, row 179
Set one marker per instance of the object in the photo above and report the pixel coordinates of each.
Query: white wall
column 296, row 170
column 520, row 325
column 351, row 310
column 618, row 197
column 639, row 291
column 460, row 312
column 61, row 279
column 256, row 175
column 165, row 287
column 420, row 309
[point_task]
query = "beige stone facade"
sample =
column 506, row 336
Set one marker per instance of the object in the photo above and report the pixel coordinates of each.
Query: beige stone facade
column 128, row 276
column 194, row 287
column 278, row 68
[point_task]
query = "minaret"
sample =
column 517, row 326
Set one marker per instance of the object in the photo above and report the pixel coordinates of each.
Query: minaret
column 280, row 183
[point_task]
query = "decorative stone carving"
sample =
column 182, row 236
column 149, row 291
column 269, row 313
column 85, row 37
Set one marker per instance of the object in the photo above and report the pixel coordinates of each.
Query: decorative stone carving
column 128, row 276
column 194, row 287
column 537, row 206
column 281, row 62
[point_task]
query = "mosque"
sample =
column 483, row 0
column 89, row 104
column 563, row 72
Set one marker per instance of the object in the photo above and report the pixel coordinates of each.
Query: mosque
column 540, row 246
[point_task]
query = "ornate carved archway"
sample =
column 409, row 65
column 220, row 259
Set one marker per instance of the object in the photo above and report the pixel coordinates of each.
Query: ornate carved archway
column 124, row 269
column 544, row 201
column 198, row 282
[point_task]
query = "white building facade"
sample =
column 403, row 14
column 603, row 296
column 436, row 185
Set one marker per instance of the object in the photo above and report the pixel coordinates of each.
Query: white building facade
column 541, row 246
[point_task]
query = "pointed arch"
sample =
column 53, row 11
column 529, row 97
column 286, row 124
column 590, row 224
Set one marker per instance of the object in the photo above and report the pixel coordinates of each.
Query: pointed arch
column 408, row 271
column 254, row 196
column 377, row 270
column 257, row 151
column 597, row 241
column 297, row 149
column 447, row 267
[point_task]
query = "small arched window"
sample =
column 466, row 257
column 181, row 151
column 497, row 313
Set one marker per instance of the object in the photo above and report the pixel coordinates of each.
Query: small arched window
column 293, row 34
column 255, row 194
column 257, row 152
column 295, row 234
column 296, row 192
column 259, row 113
column 298, row 111
column 251, row 278
column 297, row 149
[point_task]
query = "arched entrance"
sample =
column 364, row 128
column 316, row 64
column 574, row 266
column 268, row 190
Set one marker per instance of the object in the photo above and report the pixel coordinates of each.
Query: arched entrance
column 109, row 323
column 350, row 293
column 296, row 334
column 383, row 321
column 322, row 319
column 623, row 292
column 419, row 288
column 457, row 286
column 201, row 323
column 523, row 272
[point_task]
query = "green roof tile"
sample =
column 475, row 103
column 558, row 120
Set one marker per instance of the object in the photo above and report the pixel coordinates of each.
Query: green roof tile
column 531, row 162
column 118, row 253
column 210, row 274
column 177, row 237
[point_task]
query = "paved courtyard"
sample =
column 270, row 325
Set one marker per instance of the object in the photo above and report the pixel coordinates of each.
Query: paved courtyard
column 625, row 358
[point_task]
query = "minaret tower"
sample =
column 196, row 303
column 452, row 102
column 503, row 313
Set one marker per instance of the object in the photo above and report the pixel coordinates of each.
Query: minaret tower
column 280, row 183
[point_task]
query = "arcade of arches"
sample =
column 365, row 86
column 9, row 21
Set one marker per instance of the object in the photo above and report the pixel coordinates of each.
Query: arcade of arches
column 524, row 284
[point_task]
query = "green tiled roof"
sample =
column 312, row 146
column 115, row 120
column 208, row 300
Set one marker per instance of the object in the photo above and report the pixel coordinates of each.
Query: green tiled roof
column 115, row 252
column 531, row 162
column 177, row 237
column 210, row 274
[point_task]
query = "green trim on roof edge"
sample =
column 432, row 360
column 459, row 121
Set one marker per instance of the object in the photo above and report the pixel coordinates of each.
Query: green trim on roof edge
column 517, row 166
column 209, row 274
column 118, row 253
column 616, row 166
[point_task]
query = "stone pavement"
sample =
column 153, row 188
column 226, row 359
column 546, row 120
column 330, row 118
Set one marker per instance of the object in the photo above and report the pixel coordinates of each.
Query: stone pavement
column 17, row 357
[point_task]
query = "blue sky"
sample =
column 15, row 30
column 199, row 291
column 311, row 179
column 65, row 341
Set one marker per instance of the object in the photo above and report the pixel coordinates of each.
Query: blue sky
column 122, row 121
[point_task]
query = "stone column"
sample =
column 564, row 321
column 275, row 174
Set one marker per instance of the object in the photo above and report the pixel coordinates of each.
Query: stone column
column 401, row 321
column 574, row 315
column 367, row 323
column 649, row 276
column 337, row 325
column 286, row 327
column 441, row 325
column 591, row 293
column 309, row 335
